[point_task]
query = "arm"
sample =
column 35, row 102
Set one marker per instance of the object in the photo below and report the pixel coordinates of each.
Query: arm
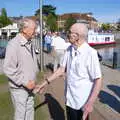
column 95, row 74
column 11, row 70
column 95, row 91
column 56, row 74
column 10, row 65
column 88, row 107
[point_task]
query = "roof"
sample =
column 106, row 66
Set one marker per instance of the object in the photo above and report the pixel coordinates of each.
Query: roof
column 10, row 27
column 83, row 16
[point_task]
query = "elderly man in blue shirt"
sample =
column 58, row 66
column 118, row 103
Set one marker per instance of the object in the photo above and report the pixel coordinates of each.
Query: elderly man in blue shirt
column 83, row 74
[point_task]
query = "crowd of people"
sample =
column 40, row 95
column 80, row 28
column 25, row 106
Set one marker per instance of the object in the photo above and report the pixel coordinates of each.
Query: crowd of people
column 76, row 59
column 55, row 45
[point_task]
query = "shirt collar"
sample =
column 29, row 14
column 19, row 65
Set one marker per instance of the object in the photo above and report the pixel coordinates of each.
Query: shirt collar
column 82, row 48
column 79, row 50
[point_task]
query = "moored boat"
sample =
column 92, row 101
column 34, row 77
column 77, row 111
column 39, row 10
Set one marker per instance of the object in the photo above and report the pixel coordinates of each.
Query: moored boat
column 95, row 38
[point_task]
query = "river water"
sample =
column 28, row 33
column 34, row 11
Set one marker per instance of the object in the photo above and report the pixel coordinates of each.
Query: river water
column 110, row 55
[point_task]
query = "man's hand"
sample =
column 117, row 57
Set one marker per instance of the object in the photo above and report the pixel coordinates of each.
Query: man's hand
column 30, row 85
column 88, row 108
column 40, row 88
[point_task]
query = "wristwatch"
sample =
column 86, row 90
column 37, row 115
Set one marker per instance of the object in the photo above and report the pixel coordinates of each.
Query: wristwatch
column 47, row 80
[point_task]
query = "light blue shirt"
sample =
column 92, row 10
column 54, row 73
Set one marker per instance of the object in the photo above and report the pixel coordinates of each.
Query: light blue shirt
column 82, row 69
column 48, row 39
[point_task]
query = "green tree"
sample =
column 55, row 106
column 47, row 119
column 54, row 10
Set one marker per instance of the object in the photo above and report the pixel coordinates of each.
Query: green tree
column 46, row 10
column 52, row 22
column 49, row 16
column 4, row 20
column 70, row 21
column 106, row 26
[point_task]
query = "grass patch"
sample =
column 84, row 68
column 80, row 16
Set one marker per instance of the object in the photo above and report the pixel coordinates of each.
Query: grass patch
column 3, row 79
column 6, row 106
column 40, row 113
column 40, row 76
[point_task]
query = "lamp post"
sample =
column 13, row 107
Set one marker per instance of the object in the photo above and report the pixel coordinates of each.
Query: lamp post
column 41, row 48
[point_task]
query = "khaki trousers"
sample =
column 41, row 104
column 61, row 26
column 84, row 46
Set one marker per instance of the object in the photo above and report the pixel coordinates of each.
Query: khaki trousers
column 23, row 104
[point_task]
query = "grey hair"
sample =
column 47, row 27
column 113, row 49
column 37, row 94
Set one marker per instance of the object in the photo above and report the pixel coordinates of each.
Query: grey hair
column 25, row 23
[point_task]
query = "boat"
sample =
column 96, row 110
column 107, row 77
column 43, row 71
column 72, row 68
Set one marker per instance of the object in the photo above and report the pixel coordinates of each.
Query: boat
column 96, row 38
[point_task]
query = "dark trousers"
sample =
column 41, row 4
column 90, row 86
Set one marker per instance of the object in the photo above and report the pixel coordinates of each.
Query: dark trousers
column 73, row 114
column 48, row 48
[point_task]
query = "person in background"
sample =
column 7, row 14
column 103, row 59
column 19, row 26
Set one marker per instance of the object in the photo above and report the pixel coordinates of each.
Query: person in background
column 20, row 66
column 83, row 74
column 48, row 40
column 58, row 49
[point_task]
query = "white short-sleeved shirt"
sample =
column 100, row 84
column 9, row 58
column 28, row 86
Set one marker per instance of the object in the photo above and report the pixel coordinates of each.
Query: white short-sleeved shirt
column 59, row 43
column 82, row 69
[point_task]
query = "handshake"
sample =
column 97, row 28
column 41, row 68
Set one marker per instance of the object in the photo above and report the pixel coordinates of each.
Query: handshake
column 31, row 86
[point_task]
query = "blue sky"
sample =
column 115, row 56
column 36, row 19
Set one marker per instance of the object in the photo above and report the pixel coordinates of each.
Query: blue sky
column 103, row 10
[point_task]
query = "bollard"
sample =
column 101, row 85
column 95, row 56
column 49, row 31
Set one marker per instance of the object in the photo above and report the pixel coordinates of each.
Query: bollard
column 114, row 60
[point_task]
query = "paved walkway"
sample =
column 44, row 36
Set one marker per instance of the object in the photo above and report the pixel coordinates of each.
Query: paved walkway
column 107, row 106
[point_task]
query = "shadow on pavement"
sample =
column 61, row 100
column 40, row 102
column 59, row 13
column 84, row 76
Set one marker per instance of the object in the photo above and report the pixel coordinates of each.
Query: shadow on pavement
column 110, row 100
column 115, row 89
column 55, row 109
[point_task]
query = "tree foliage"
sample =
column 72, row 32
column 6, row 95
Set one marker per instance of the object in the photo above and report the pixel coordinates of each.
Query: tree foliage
column 46, row 10
column 4, row 20
column 70, row 21
column 52, row 22
column 49, row 16
column 105, row 27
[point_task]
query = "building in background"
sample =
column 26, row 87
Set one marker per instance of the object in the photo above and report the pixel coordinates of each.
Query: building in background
column 80, row 17
column 9, row 31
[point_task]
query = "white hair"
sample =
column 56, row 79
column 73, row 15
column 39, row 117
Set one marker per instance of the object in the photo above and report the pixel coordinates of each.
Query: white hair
column 81, row 28
column 25, row 23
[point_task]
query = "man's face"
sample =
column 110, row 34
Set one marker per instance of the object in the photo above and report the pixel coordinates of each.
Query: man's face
column 73, row 36
column 30, row 31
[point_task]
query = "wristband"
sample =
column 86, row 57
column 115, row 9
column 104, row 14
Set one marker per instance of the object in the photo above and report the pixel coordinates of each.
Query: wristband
column 47, row 81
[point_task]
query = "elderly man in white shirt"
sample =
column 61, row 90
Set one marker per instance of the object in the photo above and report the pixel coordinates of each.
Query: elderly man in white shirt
column 83, row 74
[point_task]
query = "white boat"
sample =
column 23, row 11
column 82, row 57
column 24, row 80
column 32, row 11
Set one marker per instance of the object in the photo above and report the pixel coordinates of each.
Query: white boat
column 95, row 38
